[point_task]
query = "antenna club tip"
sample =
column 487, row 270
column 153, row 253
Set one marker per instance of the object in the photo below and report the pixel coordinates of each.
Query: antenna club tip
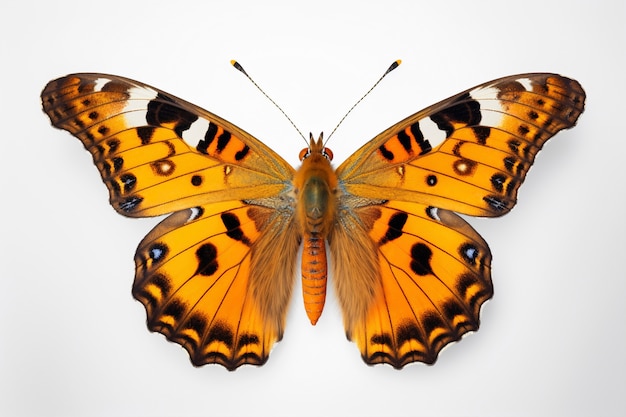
column 393, row 66
column 237, row 66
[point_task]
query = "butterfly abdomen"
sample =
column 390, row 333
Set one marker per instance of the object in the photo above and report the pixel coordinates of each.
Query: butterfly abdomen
column 314, row 275
column 315, row 184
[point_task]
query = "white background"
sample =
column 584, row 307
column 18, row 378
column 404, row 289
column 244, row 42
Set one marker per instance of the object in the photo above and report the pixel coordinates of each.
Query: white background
column 74, row 342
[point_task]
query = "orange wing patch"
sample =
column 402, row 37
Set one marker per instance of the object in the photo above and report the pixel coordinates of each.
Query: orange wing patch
column 435, row 275
column 192, row 276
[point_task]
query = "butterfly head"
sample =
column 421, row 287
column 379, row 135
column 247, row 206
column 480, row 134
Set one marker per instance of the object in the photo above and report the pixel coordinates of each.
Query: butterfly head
column 316, row 147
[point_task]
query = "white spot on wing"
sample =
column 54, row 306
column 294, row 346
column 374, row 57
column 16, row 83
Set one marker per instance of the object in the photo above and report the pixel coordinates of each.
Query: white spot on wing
column 143, row 93
column 490, row 106
column 196, row 132
column 433, row 212
column 527, row 83
column 431, row 132
column 195, row 213
column 100, row 82
column 488, row 92
column 492, row 114
column 136, row 106
column 134, row 117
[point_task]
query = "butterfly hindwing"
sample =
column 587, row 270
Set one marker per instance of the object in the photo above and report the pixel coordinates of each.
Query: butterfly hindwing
column 158, row 153
column 435, row 275
column 198, row 272
column 489, row 138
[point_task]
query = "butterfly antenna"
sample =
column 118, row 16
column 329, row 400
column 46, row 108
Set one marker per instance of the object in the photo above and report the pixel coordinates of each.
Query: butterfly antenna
column 392, row 67
column 238, row 66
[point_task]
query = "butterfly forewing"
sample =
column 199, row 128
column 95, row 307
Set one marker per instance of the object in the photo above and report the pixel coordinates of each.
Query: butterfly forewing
column 157, row 153
column 490, row 135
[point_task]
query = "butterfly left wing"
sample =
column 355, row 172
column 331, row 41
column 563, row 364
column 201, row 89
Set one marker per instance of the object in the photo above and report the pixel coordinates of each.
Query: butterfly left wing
column 397, row 197
column 205, row 280
column 207, row 274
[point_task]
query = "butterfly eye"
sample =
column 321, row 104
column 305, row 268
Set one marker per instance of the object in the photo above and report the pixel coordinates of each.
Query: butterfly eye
column 328, row 154
column 304, row 153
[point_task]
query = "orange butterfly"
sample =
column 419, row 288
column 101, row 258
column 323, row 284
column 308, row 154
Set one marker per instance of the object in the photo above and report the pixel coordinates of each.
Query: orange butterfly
column 216, row 275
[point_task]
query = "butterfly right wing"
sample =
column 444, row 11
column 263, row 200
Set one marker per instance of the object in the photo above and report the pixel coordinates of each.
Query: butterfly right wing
column 158, row 153
column 399, row 191
column 469, row 153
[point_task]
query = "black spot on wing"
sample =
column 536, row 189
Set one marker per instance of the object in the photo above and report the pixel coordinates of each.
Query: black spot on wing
column 424, row 144
column 115, row 188
column 129, row 181
column 408, row 332
column 118, row 162
column 481, row 133
column 386, row 153
column 417, row 132
column 394, row 230
column 382, row 339
column 207, row 259
column 497, row 182
column 196, row 180
column 432, row 322
column 164, row 111
column 523, row 130
column 209, row 136
column 158, row 251
column 129, row 204
column 469, row 253
column 233, row 228
column 145, row 134
column 222, row 141
column 465, row 111
column 421, row 255
column 113, row 145
column 405, row 141
column 197, row 323
column 242, row 153
column 432, row 212
column 455, row 313
column 509, row 163
column 175, row 309
column 496, row 203
column 221, row 332
column 247, row 339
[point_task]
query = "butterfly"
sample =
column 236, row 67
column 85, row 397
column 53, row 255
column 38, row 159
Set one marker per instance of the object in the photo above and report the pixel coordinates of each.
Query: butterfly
column 216, row 275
